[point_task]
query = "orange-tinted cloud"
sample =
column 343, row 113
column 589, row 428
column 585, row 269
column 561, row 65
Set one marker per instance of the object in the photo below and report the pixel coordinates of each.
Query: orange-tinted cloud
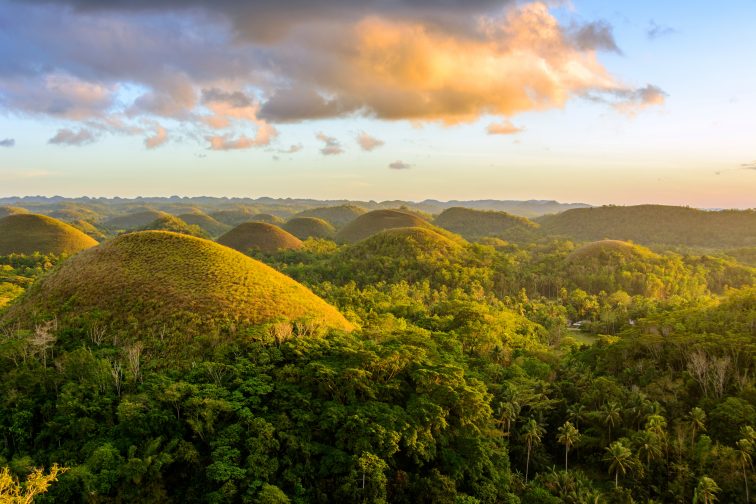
column 502, row 128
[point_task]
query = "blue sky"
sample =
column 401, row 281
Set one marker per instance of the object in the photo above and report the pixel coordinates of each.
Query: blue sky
column 694, row 145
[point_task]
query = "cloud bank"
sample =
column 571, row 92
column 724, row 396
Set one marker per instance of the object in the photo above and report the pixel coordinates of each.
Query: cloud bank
column 227, row 72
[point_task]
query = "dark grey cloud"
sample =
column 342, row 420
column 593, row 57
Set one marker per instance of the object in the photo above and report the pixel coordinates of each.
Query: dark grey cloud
column 66, row 136
column 399, row 165
column 595, row 35
column 300, row 104
column 8, row 142
column 655, row 31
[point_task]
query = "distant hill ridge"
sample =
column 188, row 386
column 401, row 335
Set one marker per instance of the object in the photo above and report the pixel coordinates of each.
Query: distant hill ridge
column 656, row 224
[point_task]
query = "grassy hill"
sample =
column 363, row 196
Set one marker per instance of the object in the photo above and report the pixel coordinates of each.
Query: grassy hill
column 5, row 211
column 656, row 224
column 211, row 226
column 29, row 233
column 379, row 220
column 234, row 216
column 339, row 216
column 267, row 218
column 175, row 225
column 605, row 250
column 135, row 220
column 150, row 279
column 306, row 227
column 476, row 224
column 90, row 229
column 261, row 236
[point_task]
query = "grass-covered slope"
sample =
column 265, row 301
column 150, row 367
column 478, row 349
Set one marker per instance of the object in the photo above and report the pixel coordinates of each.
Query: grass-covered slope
column 656, row 224
column 309, row 227
column 476, row 224
column 604, row 251
column 210, row 225
column 379, row 220
column 234, row 216
column 259, row 236
column 339, row 216
column 29, row 233
column 5, row 211
column 175, row 225
column 267, row 218
column 135, row 220
column 152, row 279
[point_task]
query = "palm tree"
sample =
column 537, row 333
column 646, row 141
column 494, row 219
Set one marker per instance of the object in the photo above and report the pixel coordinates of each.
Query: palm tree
column 744, row 450
column 575, row 413
column 532, row 433
column 649, row 447
column 508, row 412
column 706, row 491
column 610, row 414
column 697, row 422
column 568, row 436
column 620, row 460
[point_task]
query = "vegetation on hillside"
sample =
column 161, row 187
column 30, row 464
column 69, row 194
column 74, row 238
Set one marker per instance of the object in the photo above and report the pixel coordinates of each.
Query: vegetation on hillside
column 309, row 227
column 211, row 226
column 175, row 225
column 259, row 236
column 134, row 221
column 30, row 233
column 339, row 216
column 477, row 224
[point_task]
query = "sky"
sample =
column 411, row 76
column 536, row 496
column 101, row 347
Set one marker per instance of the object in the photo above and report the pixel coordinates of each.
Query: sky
column 584, row 101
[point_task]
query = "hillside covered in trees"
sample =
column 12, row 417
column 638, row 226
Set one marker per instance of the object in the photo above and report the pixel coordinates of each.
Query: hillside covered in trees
column 402, row 363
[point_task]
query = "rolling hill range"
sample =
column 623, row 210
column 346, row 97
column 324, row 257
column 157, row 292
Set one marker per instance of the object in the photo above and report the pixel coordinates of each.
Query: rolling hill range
column 476, row 224
column 151, row 279
column 29, row 233
column 376, row 221
column 260, row 236
column 656, row 224
column 339, row 216
column 309, row 227
column 5, row 211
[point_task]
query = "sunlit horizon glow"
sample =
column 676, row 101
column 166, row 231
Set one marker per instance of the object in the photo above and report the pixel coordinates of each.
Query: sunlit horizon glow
column 624, row 104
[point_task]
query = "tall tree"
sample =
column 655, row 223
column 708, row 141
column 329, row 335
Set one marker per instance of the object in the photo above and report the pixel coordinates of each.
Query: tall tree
column 706, row 491
column 620, row 460
column 532, row 434
column 568, row 435
column 744, row 450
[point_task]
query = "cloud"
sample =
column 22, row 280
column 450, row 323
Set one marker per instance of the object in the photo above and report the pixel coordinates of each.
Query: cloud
column 399, row 165
column 294, row 148
column 8, row 142
column 159, row 138
column 655, row 31
column 502, row 128
column 332, row 146
column 630, row 101
column 216, row 69
column 748, row 166
column 66, row 136
column 595, row 35
column 367, row 142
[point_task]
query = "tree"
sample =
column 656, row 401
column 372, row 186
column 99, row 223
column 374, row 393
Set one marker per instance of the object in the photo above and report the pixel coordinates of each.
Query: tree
column 610, row 415
column 532, row 434
column 744, row 450
column 697, row 422
column 568, row 435
column 706, row 491
column 620, row 460
column 37, row 482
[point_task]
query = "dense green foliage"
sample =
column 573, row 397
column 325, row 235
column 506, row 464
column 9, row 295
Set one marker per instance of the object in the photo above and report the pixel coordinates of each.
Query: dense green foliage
column 656, row 224
column 541, row 372
column 30, row 233
column 259, row 236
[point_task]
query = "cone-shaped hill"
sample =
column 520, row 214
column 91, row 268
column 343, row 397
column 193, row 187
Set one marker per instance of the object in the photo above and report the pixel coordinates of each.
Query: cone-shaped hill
column 5, row 211
column 267, row 218
column 234, row 216
column 339, row 216
column 136, row 220
column 153, row 279
column 29, row 233
column 208, row 224
column 605, row 250
column 401, row 254
column 309, row 227
column 379, row 220
column 476, row 224
column 261, row 236
column 175, row 225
